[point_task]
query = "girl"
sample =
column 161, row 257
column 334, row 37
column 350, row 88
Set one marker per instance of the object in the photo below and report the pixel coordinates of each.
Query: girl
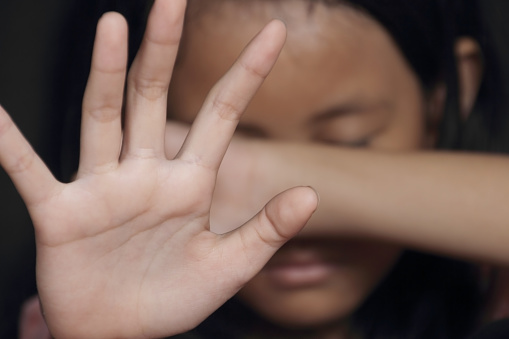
column 341, row 81
column 313, row 77
column 370, row 93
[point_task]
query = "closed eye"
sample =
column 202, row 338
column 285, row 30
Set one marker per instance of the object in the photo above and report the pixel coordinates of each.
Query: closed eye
column 251, row 131
column 342, row 143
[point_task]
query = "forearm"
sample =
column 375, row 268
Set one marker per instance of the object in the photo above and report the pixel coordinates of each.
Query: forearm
column 450, row 203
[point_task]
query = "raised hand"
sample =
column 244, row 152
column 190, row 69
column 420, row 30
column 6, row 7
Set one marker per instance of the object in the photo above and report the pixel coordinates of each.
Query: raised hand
column 125, row 250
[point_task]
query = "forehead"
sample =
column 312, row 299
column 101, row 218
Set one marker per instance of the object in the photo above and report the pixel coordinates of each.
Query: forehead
column 306, row 20
column 318, row 34
column 334, row 55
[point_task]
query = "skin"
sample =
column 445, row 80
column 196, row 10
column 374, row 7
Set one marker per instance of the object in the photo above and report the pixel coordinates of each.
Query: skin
column 363, row 94
column 111, row 256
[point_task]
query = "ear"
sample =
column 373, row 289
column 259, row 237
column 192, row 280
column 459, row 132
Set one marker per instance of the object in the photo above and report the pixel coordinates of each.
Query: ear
column 470, row 71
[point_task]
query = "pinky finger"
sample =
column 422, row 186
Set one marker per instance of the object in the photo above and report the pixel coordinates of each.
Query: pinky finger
column 30, row 175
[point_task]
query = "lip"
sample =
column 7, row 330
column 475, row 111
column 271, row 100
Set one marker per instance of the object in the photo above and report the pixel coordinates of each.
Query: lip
column 302, row 268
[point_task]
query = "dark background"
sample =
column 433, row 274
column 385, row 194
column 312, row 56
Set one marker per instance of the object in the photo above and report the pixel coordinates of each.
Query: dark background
column 30, row 31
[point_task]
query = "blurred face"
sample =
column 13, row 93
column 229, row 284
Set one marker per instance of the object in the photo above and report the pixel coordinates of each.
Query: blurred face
column 339, row 80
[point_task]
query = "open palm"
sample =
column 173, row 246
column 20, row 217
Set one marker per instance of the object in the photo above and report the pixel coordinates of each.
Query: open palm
column 125, row 250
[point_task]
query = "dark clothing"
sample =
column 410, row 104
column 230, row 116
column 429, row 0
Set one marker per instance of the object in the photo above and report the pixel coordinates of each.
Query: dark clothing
column 497, row 330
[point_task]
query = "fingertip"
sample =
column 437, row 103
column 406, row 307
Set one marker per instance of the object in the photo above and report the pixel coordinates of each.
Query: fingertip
column 112, row 16
column 304, row 201
column 290, row 211
column 276, row 31
column 165, row 21
column 278, row 26
column 316, row 197
column 111, row 20
column 112, row 26
column 110, row 50
column 261, row 54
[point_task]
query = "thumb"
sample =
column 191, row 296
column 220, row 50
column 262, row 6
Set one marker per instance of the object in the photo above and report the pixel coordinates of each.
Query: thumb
column 282, row 218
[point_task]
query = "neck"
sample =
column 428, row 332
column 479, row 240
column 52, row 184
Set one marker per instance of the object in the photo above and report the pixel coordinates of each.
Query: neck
column 340, row 330
column 336, row 331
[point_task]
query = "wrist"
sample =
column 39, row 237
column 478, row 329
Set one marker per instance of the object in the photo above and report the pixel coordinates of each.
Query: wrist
column 285, row 165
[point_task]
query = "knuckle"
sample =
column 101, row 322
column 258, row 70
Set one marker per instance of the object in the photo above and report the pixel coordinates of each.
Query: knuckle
column 142, row 153
column 271, row 232
column 22, row 162
column 106, row 113
column 149, row 89
column 226, row 108
column 253, row 70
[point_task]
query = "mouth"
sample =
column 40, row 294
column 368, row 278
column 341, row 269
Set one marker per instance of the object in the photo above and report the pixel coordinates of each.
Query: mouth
column 293, row 276
column 300, row 267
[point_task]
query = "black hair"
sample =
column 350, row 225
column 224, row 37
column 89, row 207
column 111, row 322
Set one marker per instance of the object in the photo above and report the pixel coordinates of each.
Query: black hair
column 426, row 31
column 421, row 297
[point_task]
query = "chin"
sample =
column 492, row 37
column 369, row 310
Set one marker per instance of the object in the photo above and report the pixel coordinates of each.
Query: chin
column 303, row 310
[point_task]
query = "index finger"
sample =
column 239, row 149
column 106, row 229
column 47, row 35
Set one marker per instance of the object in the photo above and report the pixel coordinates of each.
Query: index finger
column 215, row 124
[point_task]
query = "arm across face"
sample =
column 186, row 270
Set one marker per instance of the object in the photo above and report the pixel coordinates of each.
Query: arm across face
column 451, row 203
column 448, row 203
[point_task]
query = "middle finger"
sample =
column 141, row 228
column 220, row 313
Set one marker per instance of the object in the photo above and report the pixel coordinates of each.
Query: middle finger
column 149, row 79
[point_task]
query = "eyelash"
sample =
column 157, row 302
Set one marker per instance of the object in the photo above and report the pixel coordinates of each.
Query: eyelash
column 359, row 143
column 256, row 133
column 353, row 144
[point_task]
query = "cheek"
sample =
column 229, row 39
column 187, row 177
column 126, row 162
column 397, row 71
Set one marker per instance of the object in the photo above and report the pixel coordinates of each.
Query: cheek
column 369, row 265
column 372, row 263
column 187, row 92
column 406, row 132
column 406, row 127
